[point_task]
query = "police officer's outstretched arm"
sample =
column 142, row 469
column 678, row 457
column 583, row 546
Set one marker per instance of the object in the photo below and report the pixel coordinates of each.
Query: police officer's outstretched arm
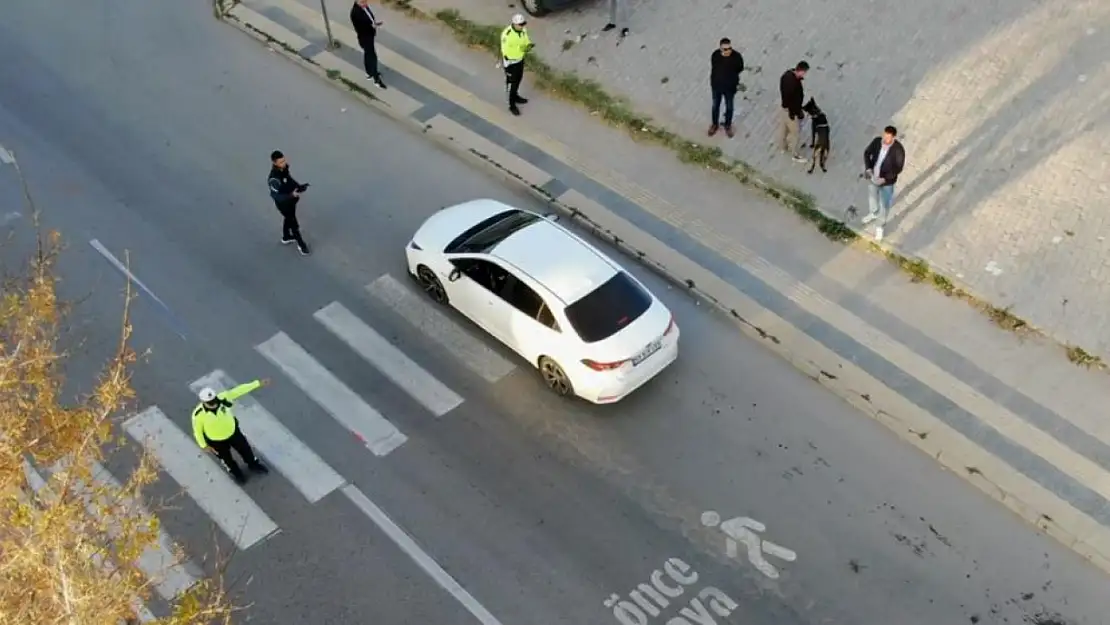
column 235, row 393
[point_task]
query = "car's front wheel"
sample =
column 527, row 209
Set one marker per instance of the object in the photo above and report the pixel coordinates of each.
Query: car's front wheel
column 555, row 378
column 535, row 8
column 431, row 285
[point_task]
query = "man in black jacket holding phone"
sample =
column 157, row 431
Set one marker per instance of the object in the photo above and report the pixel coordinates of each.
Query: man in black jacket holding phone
column 366, row 26
column 883, row 161
column 286, row 193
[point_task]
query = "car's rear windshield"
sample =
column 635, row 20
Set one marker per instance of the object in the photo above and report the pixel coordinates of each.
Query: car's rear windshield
column 608, row 309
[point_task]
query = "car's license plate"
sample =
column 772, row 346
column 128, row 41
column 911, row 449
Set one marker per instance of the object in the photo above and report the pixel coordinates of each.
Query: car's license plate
column 648, row 351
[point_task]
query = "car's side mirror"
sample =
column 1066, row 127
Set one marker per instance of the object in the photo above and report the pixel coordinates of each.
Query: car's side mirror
column 455, row 274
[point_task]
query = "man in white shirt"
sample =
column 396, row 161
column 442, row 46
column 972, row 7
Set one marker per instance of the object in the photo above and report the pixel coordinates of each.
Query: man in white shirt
column 883, row 161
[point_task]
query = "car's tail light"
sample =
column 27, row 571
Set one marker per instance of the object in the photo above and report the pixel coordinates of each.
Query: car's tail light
column 416, row 247
column 603, row 366
column 670, row 326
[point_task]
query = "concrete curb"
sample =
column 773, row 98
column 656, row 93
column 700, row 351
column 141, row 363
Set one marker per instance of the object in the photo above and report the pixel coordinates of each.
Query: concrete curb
column 911, row 423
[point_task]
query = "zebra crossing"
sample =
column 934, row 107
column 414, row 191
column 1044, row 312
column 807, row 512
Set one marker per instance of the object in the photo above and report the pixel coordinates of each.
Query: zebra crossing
column 232, row 510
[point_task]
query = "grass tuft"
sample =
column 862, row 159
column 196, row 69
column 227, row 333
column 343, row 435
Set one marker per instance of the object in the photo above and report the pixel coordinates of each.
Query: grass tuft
column 1079, row 356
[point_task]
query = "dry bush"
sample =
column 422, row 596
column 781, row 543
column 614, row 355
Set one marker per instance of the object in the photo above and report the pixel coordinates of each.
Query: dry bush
column 67, row 549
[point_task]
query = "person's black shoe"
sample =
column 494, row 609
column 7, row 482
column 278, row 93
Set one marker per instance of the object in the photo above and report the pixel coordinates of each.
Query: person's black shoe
column 239, row 478
column 259, row 468
column 520, row 100
column 608, row 27
column 303, row 249
column 286, row 241
column 624, row 32
column 513, row 109
column 378, row 81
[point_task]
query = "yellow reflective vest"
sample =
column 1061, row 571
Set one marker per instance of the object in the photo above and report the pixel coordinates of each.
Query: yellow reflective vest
column 219, row 425
column 514, row 44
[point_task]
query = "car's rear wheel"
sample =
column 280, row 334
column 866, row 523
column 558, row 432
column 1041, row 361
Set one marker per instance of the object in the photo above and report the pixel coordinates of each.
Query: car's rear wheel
column 534, row 8
column 555, row 378
column 431, row 284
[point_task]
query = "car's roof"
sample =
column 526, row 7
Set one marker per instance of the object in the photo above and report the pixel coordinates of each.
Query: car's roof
column 565, row 265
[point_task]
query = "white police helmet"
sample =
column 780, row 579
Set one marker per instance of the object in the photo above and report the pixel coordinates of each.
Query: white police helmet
column 206, row 394
column 519, row 19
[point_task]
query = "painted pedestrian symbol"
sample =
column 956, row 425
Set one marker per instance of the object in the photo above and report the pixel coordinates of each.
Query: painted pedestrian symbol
column 742, row 530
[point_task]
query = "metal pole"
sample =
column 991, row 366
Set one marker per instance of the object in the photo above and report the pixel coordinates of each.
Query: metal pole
column 327, row 25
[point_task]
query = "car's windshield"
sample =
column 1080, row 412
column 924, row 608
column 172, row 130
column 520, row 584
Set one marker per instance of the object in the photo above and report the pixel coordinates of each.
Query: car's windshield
column 608, row 309
column 482, row 237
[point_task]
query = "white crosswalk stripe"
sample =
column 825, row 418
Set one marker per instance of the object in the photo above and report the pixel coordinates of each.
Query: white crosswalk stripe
column 367, row 424
column 434, row 324
column 158, row 562
column 41, row 489
column 390, row 361
column 202, row 478
column 308, row 473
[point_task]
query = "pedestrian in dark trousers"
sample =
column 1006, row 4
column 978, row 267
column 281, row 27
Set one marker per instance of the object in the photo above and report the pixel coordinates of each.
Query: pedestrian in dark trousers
column 286, row 193
column 791, row 114
column 366, row 27
column 618, row 16
column 515, row 44
column 883, row 161
column 725, row 65
column 216, row 429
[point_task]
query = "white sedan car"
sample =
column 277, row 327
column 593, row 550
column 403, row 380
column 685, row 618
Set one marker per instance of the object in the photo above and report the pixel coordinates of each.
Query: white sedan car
column 590, row 328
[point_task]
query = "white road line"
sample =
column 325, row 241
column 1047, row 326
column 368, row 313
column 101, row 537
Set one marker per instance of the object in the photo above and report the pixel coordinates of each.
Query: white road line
column 392, row 362
column 178, row 327
column 367, row 424
column 308, row 473
column 420, row 312
column 6, row 157
column 419, row 556
column 200, row 475
column 38, row 484
column 158, row 561
column 111, row 258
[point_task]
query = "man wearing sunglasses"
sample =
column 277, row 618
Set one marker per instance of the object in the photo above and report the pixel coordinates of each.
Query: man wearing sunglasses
column 725, row 65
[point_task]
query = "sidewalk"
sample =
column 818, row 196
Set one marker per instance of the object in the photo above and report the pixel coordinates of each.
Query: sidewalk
column 1008, row 413
column 1003, row 106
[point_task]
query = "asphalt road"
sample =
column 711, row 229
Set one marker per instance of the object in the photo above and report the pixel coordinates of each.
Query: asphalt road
column 147, row 126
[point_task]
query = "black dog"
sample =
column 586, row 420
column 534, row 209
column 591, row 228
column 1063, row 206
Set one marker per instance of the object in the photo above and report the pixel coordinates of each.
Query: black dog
column 821, row 143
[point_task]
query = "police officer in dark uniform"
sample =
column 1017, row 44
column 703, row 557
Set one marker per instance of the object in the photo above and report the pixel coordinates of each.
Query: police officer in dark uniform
column 286, row 193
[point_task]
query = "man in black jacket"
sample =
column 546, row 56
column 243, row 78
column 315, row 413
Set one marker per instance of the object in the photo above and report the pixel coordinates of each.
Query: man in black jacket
column 883, row 161
column 791, row 115
column 366, row 27
column 286, row 192
column 725, row 65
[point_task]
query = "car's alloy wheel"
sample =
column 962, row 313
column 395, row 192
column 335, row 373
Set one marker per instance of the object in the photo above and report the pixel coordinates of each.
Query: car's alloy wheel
column 555, row 378
column 534, row 8
column 431, row 284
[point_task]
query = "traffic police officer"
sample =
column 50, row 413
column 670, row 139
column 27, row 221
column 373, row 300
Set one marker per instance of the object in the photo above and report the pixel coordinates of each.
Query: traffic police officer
column 515, row 43
column 216, row 429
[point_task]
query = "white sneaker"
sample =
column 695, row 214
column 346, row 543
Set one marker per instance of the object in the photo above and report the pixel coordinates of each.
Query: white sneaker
column 869, row 218
column 878, row 234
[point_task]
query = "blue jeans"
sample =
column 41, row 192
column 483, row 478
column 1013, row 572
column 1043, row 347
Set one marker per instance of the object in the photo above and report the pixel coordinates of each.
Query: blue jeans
column 728, row 98
column 879, row 200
